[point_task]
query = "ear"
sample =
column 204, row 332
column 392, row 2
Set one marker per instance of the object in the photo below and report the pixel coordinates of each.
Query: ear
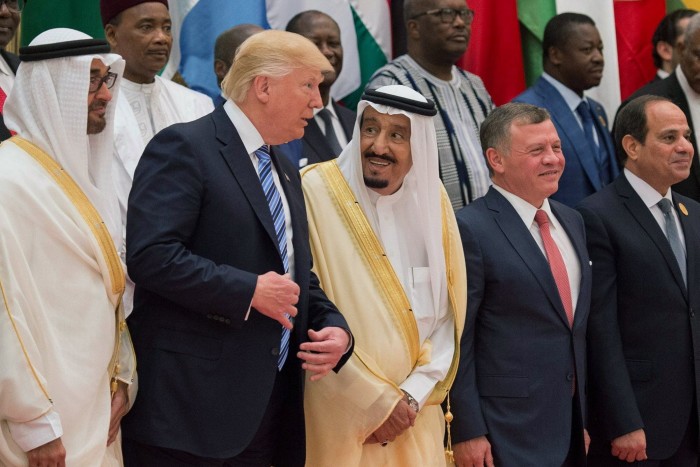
column 665, row 50
column 220, row 68
column 495, row 160
column 554, row 55
column 413, row 30
column 631, row 146
column 111, row 36
column 261, row 88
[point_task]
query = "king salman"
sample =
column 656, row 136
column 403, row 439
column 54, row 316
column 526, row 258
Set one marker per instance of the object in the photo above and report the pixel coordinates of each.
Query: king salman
column 387, row 252
column 66, row 360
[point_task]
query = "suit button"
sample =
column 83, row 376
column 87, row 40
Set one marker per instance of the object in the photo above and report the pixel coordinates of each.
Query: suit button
column 692, row 313
column 227, row 321
column 570, row 377
column 209, row 315
column 275, row 351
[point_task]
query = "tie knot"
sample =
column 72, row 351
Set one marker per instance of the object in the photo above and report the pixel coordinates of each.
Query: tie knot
column 541, row 217
column 584, row 110
column 325, row 115
column 263, row 152
column 665, row 205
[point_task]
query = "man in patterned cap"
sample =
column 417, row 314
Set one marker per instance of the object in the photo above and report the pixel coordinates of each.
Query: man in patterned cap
column 140, row 31
column 66, row 357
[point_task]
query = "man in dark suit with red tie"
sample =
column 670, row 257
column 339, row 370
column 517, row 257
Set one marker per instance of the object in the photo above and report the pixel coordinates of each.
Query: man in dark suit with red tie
column 519, row 397
column 643, row 332
column 227, row 313
column 9, row 22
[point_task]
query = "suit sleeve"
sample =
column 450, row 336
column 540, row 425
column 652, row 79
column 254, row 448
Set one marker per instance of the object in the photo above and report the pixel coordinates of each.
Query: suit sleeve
column 468, row 420
column 610, row 387
column 164, row 207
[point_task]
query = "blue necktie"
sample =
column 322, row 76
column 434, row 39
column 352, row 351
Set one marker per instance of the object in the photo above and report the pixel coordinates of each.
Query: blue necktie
column 277, row 210
column 601, row 160
column 674, row 238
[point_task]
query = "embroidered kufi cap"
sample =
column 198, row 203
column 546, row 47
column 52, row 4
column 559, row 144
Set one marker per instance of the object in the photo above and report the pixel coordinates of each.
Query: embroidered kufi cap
column 111, row 8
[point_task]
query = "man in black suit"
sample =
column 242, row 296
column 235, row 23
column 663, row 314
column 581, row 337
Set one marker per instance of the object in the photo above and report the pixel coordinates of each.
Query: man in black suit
column 643, row 334
column 9, row 21
column 321, row 142
column 220, row 257
column 224, row 50
column 518, row 399
column 666, row 41
column 682, row 88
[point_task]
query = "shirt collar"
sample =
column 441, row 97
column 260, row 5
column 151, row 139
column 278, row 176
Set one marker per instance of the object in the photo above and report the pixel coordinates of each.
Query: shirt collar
column 650, row 197
column 252, row 140
column 685, row 86
column 5, row 68
column 330, row 109
column 570, row 97
column 525, row 210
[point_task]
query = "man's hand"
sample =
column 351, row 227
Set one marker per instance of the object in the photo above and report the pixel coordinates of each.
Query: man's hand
column 51, row 454
column 120, row 406
column 586, row 440
column 324, row 351
column 630, row 447
column 402, row 418
column 474, row 452
column 276, row 295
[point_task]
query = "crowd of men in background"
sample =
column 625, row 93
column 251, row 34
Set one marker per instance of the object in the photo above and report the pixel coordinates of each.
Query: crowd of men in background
column 428, row 279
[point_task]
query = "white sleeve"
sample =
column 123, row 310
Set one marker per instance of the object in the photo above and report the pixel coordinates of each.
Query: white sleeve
column 37, row 432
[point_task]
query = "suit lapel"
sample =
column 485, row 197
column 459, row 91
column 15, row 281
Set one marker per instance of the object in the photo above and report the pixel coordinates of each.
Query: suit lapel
column 347, row 119
column 315, row 144
column 562, row 115
column 605, row 140
column 234, row 153
column 643, row 216
column 691, row 230
column 519, row 236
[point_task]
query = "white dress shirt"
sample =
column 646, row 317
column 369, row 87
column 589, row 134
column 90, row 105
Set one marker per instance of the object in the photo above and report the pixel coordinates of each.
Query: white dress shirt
column 527, row 212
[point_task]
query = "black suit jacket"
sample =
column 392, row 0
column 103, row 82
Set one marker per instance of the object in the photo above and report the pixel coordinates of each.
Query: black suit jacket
column 13, row 61
column 643, row 332
column 314, row 147
column 518, row 353
column 199, row 232
column 671, row 89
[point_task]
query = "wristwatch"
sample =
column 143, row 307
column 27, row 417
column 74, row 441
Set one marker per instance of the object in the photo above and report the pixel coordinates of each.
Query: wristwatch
column 412, row 402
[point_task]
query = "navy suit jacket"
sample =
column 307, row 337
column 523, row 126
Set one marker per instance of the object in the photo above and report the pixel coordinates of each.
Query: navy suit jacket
column 643, row 333
column 199, row 232
column 581, row 175
column 13, row 62
column 671, row 89
column 519, row 357
column 314, row 147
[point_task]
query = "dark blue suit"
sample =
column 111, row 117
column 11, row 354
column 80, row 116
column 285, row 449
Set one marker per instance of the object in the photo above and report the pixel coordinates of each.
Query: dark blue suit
column 643, row 334
column 313, row 145
column 519, row 355
column 199, row 232
column 582, row 176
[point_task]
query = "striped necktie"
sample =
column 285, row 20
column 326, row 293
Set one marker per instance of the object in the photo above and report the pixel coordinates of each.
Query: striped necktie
column 673, row 236
column 274, row 201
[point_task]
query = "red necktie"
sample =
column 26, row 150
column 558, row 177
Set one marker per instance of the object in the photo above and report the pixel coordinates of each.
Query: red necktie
column 556, row 264
column 3, row 96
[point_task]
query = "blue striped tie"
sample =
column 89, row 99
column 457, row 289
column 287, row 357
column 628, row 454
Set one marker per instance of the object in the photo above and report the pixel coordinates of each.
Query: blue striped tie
column 277, row 211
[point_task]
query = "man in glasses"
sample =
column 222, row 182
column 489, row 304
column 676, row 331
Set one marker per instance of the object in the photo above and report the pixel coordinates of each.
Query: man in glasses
column 438, row 34
column 66, row 358
column 9, row 21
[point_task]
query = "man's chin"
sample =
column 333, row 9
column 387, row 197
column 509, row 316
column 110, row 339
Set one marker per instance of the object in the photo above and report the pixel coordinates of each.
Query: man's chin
column 376, row 183
column 95, row 126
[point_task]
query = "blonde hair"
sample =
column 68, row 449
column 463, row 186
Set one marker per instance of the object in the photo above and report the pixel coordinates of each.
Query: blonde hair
column 270, row 53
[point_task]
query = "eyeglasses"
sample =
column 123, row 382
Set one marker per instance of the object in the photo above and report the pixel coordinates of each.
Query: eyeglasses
column 447, row 15
column 14, row 5
column 96, row 82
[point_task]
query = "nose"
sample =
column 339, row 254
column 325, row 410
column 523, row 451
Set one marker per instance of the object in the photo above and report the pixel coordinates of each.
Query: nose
column 686, row 146
column 161, row 36
column 316, row 101
column 103, row 93
column 4, row 9
column 598, row 56
column 325, row 50
column 381, row 143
